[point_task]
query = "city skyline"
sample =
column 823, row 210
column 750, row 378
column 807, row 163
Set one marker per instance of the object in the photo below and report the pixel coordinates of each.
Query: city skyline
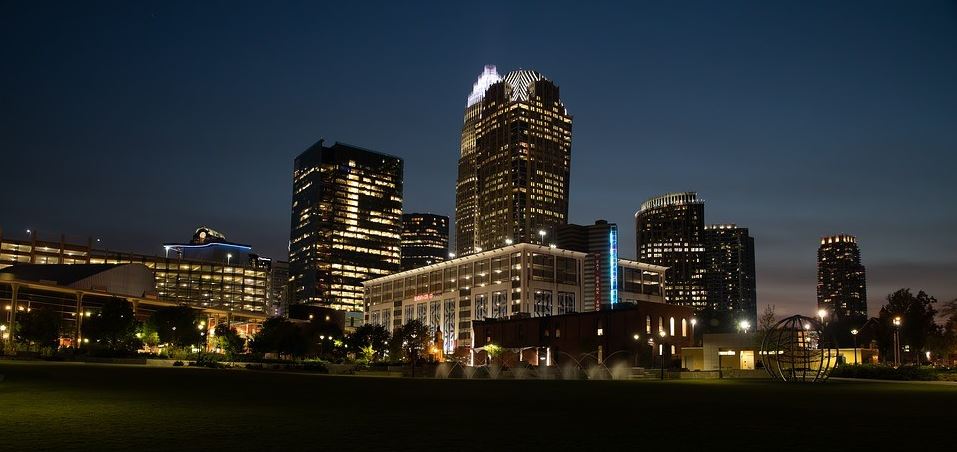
column 818, row 133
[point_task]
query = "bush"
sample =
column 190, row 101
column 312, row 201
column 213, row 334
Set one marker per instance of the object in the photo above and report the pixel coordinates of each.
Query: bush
column 177, row 363
column 879, row 372
column 207, row 360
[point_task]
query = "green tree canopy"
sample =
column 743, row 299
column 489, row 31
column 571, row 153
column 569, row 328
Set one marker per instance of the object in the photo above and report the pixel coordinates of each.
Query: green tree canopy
column 279, row 335
column 40, row 326
column 917, row 320
column 229, row 340
column 113, row 326
column 177, row 325
column 369, row 335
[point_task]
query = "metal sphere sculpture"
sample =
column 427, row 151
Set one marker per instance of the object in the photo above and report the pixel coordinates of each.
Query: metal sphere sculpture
column 797, row 350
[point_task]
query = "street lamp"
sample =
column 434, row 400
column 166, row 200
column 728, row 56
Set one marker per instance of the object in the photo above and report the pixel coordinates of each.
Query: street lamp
column 508, row 241
column 662, row 354
column 744, row 325
column 822, row 313
column 636, row 337
column 451, row 255
column 694, row 322
column 229, row 256
column 541, row 233
column 897, row 339
column 854, row 335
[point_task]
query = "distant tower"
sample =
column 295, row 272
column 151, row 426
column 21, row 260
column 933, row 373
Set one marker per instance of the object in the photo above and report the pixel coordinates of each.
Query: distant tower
column 425, row 239
column 346, row 223
column 670, row 232
column 841, row 285
column 730, row 275
column 514, row 166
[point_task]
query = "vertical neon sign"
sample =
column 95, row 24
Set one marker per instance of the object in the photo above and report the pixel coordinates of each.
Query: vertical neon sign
column 613, row 263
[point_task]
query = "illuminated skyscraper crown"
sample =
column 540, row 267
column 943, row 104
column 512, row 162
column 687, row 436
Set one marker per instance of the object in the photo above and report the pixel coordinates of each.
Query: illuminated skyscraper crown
column 488, row 77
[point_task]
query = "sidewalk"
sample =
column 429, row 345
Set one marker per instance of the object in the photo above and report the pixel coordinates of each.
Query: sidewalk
column 868, row 380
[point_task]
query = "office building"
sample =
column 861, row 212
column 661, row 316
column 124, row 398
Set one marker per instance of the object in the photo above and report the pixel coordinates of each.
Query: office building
column 514, row 164
column 279, row 289
column 516, row 280
column 425, row 239
column 603, row 281
column 670, row 232
column 730, row 276
column 230, row 284
column 841, row 285
column 346, row 223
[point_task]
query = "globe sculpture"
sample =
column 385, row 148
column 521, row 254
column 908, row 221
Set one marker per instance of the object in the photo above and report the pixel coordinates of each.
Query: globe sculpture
column 796, row 350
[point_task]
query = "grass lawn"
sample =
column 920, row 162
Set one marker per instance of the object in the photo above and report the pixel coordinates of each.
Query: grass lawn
column 107, row 407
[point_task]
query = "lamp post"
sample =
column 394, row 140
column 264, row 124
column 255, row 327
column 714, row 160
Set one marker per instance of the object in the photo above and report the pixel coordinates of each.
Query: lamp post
column 636, row 337
column 541, row 233
column 897, row 347
column 694, row 342
column 661, row 355
column 744, row 325
column 3, row 339
column 822, row 313
column 229, row 257
column 854, row 335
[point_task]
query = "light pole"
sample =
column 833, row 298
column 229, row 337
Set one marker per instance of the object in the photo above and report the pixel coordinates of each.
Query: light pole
column 541, row 233
column 662, row 354
column 822, row 313
column 694, row 342
column 897, row 339
column 3, row 339
column 744, row 325
column 854, row 335
column 636, row 337
column 229, row 257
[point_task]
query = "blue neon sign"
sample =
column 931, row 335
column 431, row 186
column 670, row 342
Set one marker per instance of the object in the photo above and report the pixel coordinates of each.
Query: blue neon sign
column 613, row 263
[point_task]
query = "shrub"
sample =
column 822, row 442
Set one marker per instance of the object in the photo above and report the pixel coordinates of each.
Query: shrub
column 879, row 372
column 177, row 363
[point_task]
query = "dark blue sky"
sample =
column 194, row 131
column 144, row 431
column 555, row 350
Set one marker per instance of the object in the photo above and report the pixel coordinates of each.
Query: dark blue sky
column 138, row 121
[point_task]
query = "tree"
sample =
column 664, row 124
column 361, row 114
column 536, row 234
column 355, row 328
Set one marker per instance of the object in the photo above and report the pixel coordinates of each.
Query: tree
column 177, row 325
column 767, row 319
column 229, row 340
column 412, row 339
column 917, row 321
column 40, row 326
column 371, row 337
column 114, row 326
column 279, row 335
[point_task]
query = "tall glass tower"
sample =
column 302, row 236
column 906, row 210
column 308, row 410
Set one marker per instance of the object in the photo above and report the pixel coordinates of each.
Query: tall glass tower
column 515, row 163
column 346, row 223
column 841, row 286
column 670, row 232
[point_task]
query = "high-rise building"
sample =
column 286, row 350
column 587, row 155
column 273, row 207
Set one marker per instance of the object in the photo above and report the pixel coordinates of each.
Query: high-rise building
column 600, row 242
column 279, row 289
column 670, row 232
column 514, row 165
column 841, row 285
column 346, row 223
column 730, row 275
column 425, row 239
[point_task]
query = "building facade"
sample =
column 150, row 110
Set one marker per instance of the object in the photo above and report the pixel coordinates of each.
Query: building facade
column 425, row 239
column 670, row 232
column 514, row 165
column 603, row 281
column 236, row 285
column 521, row 279
column 641, row 334
column 730, row 279
column 346, row 223
column 841, row 282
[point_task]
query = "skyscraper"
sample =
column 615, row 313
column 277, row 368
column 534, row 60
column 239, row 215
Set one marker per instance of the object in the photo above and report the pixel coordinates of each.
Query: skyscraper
column 346, row 223
column 730, row 276
column 425, row 239
column 514, row 166
column 841, row 285
column 670, row 232
column 600, row 242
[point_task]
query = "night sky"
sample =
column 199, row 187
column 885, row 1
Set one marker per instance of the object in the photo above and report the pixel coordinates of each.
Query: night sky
column 136, row 122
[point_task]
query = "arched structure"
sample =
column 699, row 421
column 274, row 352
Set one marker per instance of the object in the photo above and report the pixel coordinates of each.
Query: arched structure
column 796, row 350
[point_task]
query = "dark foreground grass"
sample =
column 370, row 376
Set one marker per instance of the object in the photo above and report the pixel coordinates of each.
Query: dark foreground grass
column 100, row 407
